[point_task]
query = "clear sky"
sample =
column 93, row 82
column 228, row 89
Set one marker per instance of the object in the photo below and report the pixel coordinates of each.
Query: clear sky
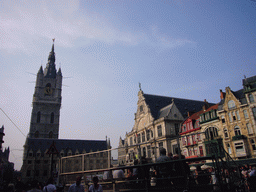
column 179, row 48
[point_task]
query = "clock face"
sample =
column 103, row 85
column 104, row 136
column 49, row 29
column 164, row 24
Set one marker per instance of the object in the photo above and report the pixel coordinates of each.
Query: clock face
column 48, row 90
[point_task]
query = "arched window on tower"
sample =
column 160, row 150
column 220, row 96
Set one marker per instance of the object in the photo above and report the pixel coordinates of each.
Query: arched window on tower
column 36, row 134
column 38, row 119
column 51, row 134
column 52, row 117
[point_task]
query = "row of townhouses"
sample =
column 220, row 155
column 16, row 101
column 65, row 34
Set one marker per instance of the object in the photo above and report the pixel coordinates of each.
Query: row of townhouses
column 192, row 126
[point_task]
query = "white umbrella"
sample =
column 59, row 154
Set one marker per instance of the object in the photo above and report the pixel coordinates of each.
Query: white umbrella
column 203, row 167
column 192, row 168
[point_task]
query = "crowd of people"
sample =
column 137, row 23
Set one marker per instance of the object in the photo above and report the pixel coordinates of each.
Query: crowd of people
column 169, row 171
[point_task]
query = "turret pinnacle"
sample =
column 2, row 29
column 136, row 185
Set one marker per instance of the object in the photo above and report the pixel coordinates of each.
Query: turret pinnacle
column 50, row 70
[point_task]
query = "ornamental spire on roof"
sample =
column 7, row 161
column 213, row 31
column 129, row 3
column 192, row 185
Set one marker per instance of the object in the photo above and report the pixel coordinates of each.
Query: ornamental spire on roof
column 50, row 70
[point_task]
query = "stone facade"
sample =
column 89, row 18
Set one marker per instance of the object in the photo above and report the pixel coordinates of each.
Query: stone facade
column 238, row 124
column 43, row 149
column 157, row 124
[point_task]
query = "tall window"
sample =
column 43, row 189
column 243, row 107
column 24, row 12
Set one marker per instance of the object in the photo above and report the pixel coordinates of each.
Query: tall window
column 138, row 137
column 51, row 134
column 254, row 112
column 253, row 144
column 231, row 104
column 230, row 117
column 131, row 141
column 201, row 151
column 149, row 151
column 184, row 143
column 159, row 130
column 143, row 136
column 251, row 98
column 245, row 114
column 52, row 117
column 237, row 115
column 148, row 134
column 234, row 115
column 188, row 140
column 249, row 128
column 226, row 133
column 38, row 119
column 184, row 128
column 237, row 131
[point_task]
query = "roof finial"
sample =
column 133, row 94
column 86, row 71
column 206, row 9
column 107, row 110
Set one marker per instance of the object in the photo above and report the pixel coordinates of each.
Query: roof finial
column 140, row 86
column 53, row 40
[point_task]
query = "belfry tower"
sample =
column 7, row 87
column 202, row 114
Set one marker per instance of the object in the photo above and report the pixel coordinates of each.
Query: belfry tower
column 46, row 101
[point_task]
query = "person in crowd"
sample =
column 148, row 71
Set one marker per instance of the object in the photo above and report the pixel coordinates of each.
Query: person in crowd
column 252, row 179
column 118, row 174
column 35, row 186
column 170, row 156
column 77, row 187
column 50, row 187
column 129, row 175
column 214, row 179
column 107, row 175
column 200, row 176
column 95, row 187
column 162, row 170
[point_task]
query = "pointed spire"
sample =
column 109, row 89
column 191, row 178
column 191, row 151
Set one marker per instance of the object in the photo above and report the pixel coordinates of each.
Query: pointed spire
column 40, row 70
column 59, row 72
column 50, row 70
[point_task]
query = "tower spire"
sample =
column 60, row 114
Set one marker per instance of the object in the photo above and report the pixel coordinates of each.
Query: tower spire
column 50, row 70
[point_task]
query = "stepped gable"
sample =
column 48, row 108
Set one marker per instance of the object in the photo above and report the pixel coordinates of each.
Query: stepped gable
column 156, row 103
column 66, row 144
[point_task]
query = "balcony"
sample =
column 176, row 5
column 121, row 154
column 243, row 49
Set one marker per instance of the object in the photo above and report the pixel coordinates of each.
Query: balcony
column 238, row 137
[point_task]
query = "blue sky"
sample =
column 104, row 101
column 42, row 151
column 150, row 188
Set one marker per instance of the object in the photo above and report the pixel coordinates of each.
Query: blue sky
column 179, row 48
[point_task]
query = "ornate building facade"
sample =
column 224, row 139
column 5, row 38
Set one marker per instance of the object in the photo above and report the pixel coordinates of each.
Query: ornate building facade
column 43, row 148
column 157, row 124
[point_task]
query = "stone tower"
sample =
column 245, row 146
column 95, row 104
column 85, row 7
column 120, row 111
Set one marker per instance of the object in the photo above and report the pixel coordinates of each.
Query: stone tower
column 46, row 101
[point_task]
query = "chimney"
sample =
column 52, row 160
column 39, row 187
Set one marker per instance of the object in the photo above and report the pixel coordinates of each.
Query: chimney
column 206, row 105
column 222, row 94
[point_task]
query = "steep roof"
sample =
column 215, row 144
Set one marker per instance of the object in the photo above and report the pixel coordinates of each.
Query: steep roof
column 249, row 80
column 156, row 103
column 66, row 144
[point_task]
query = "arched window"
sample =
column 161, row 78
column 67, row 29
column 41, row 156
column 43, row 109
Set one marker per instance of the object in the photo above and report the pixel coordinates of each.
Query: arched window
column 36, row 134
column 237, row 131
column 251, row 98
column 52, row 117
column 38, row 119
column 231, row 104
column 48, row 89
column 211, row 133
column 51, row 134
